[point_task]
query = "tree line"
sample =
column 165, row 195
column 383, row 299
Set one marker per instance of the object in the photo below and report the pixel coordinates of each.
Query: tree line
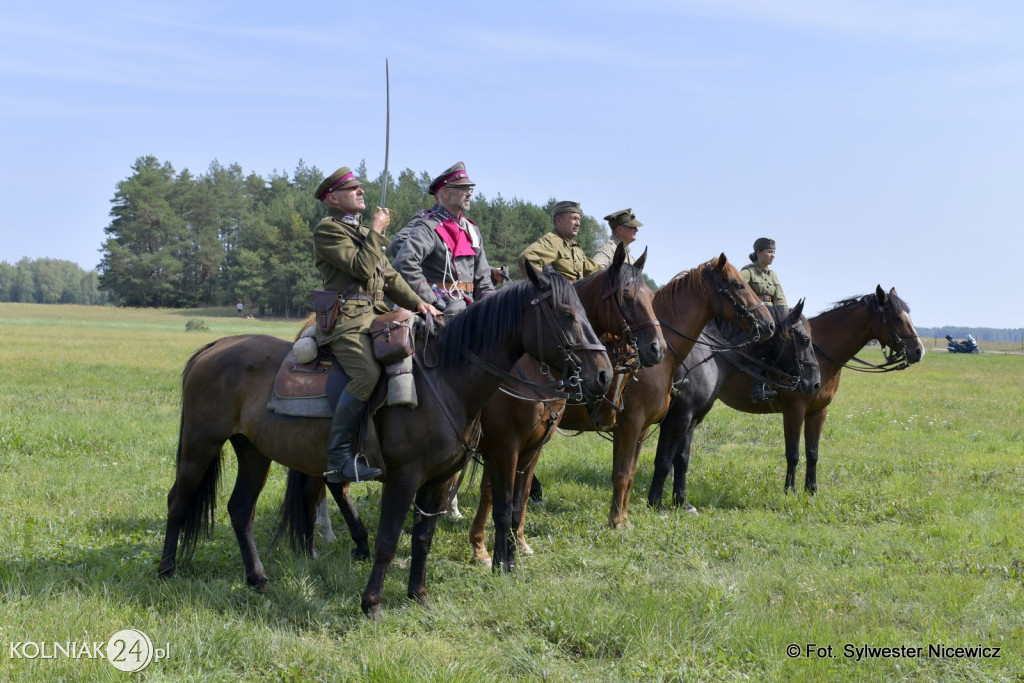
column 50, row 281
column 179, row 240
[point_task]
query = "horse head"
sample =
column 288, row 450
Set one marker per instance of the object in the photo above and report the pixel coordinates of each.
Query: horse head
column 893, row 327
column 737, row 302
column 620, row 305
column 792, row 350
column 560, row 334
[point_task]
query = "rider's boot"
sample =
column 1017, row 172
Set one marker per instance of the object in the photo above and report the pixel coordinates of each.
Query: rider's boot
column 341, row 463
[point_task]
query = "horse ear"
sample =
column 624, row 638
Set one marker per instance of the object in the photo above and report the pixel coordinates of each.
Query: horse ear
column 797, row 311
column 880, row 293
column 722, row 261
column 639, row 263
column 536, row 277
column 620, row 256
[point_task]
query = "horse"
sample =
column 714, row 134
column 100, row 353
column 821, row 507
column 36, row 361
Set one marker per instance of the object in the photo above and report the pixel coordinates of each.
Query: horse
column 618, row 304
column 838, row 334
column 516, row 423
column 683, row 307
column 226, row 386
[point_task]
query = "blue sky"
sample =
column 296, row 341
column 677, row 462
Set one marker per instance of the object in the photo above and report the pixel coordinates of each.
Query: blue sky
column 878, row 142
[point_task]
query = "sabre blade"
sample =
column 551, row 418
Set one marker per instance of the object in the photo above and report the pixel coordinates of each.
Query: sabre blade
column 387, row 134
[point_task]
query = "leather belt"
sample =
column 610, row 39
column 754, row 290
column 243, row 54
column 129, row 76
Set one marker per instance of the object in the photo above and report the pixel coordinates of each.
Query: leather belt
column 461, row 286
column 362, row 296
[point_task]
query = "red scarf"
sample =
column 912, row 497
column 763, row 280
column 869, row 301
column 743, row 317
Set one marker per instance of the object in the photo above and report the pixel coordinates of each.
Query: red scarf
column 456, row 238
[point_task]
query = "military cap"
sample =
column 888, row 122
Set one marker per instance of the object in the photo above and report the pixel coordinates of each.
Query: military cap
column 456, row 176
column 764, row 243
column 626, row 218
column 565, row 207
column 340, row 179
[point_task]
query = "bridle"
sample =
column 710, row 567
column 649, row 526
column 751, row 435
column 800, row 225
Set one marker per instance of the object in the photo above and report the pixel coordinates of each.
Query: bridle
column 627, row 355
column 895, row 360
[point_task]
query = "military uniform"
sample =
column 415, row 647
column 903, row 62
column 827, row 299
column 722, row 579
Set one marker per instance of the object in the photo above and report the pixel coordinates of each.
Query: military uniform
column 351, row 259
column 606, row 252
column 423, row 258
column 565, row 256
column 765, row 284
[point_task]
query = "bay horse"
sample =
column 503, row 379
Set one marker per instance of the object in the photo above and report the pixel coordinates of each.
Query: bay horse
column 838, row 334
column 516, row 423
column 226, row 386
column 683, row 307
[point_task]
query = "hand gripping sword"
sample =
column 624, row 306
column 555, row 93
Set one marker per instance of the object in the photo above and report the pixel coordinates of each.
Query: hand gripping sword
column 387, row 134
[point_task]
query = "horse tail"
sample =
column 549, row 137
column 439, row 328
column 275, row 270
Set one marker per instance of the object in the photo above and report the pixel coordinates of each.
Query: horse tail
column 294, row 518
column 199, row 519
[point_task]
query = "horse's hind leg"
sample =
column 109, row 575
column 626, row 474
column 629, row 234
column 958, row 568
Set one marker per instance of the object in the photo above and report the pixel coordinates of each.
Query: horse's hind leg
column 396, row 497
column 356, row 528
column 478, row 531
column 191, row 500
column 253, row 468
column 323, row 519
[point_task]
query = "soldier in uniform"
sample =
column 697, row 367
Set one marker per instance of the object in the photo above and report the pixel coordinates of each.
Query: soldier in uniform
column 765, row 284
column 559, row 247
column 624, row 226
column 350, row 257
column 440, row 252
column 762, row 279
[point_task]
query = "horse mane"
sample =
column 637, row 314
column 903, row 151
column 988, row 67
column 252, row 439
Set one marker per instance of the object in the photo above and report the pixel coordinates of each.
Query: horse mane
column 897, row 304
column 491, row 321
column 691, row 282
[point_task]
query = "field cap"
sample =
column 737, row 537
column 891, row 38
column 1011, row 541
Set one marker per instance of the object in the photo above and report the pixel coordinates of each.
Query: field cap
column 764, row 243
column 624, row 218
column 455, row 176
column 338, row 180
column 565, row 207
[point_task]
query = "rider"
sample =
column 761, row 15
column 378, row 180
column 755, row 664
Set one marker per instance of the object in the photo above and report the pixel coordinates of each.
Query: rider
column 350, row 258
column 765, row 284
column 559, row 247
column 440, row 252
column 624, row 227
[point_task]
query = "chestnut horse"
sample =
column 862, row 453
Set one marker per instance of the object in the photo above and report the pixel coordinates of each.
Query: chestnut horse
column 226, row 386
column 683, row 306
column 838, row 335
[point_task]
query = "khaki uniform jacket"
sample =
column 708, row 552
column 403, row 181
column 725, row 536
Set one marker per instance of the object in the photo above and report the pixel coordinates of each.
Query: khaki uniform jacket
column 565, row 256
column 606, row 252
column 351, row 259
column 765, row 284
column 422, row 258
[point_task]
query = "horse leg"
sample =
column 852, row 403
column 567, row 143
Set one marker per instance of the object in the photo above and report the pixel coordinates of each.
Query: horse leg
column 396, row 497
column 191, row 500
column 323, row 519
column 682, row 468
column 521, row 496
column 431, row 501
column 670, row 440
column 792, row 421
column 253, row 468
column 502, row 512
column 812, row 436
column 356, row 528
column 626, row 450
column 478, row 531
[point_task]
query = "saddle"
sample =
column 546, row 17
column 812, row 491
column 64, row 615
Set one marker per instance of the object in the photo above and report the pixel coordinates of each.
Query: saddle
column 312, row 390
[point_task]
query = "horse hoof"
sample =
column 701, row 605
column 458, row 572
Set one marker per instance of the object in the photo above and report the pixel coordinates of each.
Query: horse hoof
column 690, row 510
column 421, row 598
column 260, row 585
column 361, row 553
column 525, row 549
column 483, row 560
column 373, row 612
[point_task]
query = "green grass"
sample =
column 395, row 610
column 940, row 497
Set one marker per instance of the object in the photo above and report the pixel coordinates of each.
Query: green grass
column 915, row 537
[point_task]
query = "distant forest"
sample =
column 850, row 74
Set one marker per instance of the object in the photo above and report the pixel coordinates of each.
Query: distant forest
column 178, row 240
column 991, row 334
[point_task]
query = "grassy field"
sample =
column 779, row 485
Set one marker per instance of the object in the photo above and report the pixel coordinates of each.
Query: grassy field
column 914, row 540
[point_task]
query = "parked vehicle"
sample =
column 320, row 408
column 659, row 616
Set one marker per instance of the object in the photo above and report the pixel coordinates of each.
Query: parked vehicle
column 962, row 345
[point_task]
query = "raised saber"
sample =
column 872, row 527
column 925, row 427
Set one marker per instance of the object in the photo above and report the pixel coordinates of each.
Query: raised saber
column 387, row 134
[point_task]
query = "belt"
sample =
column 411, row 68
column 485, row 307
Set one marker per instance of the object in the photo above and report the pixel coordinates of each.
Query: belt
column 361, row 296
column 461, row 286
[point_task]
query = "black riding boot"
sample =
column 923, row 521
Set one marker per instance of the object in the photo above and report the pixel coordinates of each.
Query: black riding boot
column 341, row 464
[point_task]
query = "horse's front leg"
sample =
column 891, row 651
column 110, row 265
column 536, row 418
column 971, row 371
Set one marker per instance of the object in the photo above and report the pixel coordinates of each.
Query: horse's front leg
column 396, row 497
column 431, row 501
column 356, row 528
column 478, row 531
column 792, row 422
column 253, row 468
column 812, row 437
column 626, row 450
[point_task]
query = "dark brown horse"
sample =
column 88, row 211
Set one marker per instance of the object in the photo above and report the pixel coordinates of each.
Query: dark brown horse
column 683, row 306
column 226, row 386
column 618, row 304
column 838, row 335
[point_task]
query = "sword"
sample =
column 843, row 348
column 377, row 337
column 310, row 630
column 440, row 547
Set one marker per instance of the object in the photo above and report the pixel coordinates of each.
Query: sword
column 387, row 134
